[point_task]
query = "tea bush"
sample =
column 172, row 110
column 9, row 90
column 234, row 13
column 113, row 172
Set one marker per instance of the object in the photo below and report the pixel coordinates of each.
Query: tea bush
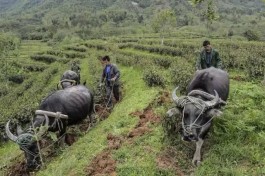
column 181, row 74
column 16, row 78
column 75, row 48
column 251, row 35
column 153, row 77
column 133, row 58
column 44, row 58
column 98, row 46
column 75, row 55
column 55, row 52
column 163, row 62
column 255, row 67
column 164, row 50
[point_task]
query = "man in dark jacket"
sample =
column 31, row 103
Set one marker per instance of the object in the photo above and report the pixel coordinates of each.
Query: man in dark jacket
column 110, row 76
column 208, row 57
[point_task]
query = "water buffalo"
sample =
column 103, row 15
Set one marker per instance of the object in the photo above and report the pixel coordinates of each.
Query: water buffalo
column 207, row 91
column 69, row 78
column 57, row 111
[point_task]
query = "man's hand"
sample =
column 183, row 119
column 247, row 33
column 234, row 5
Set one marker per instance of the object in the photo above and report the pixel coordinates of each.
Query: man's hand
column 101, row 84
column 113, row 79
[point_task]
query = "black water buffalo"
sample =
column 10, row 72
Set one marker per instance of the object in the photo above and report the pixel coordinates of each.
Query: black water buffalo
column 69, row 78
column 61, row 108
column 207, row 91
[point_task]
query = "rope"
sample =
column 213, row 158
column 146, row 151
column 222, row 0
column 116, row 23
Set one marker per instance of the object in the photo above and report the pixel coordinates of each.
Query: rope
column 112, row 86
column 68, row 80
column 73, row 82
column 59, row 123
column 198, row 103
column 106, row 105
column 25, row 139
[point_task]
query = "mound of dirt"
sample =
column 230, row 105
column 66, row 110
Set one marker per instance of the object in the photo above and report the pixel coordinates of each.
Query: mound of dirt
column 114, row 142
column 19, row 168
column 167, row 160
column 103, row 164
column 147, row 116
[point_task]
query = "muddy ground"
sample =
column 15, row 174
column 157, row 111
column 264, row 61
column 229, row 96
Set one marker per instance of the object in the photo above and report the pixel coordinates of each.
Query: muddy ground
column 103, row 163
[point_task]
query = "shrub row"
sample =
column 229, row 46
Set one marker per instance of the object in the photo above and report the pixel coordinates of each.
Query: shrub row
column 18, row 78
column 45, row 58
column 134, row 58
column 50, row 58
column 32, row 67
column 55, row 53
column 247, row 56
column 98, row 46
column 75, row 55
column 75, row 48
column 126, row 40
column 163, row 50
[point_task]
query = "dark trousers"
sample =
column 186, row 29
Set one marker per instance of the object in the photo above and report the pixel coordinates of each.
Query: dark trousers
column 115, row 90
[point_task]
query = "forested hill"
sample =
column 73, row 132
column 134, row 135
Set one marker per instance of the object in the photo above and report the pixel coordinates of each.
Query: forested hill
column 46, row 18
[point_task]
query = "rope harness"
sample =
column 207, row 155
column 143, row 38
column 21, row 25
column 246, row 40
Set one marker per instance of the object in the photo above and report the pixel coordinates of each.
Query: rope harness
column 198, row 103
column 26, row 140
column 68, row 80
column 73, row 82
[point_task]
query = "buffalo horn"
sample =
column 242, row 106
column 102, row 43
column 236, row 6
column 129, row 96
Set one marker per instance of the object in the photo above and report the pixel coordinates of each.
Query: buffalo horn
column 9, row 134
column 205, row 95
column 213, row 102
column 177, row 99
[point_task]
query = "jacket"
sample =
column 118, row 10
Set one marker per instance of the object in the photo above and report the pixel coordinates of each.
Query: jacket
column 215, row 60
column 114, row 72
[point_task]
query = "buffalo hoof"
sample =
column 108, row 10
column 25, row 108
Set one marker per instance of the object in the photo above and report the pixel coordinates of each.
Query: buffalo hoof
column 196, row 163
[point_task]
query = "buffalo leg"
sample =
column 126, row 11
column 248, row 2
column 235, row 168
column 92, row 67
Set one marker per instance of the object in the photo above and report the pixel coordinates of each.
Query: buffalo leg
column 197, row 155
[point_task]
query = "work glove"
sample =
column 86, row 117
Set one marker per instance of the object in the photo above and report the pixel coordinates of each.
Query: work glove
column 101, row 84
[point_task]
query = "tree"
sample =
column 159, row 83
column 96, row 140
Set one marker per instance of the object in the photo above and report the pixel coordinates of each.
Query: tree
column 210, row 14
column 162, row 22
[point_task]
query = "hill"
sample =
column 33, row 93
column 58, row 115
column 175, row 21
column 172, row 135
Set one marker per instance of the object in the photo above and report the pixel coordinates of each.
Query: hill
column 37, row 19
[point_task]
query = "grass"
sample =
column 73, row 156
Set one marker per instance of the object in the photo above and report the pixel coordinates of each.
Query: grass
column 8, row 152
column 75, row 158
column 139, row 157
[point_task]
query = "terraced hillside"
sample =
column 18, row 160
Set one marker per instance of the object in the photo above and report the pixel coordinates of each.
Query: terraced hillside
column 57, row 19
column 134, row 139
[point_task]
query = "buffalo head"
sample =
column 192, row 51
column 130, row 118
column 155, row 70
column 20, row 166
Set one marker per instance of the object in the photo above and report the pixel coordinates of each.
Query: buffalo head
column 27, row 142
column 69, row 78
column 196, row 113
